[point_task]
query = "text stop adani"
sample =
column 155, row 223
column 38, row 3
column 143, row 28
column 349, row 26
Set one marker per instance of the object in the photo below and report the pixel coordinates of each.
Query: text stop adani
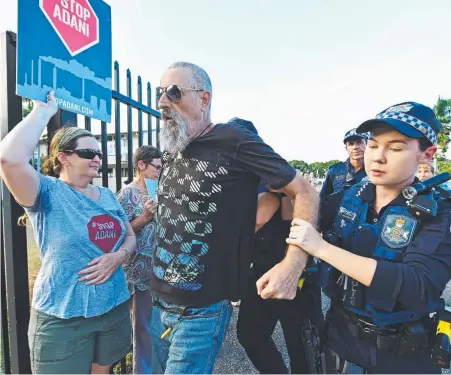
column 65, row 46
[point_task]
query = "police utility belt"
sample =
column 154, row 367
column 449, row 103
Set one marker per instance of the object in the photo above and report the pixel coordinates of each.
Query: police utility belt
column 403, row 339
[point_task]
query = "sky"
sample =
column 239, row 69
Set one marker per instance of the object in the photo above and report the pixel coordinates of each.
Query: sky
column 304, row 71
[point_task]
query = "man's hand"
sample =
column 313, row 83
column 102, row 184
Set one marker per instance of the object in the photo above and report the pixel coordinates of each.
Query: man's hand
column 281, row 281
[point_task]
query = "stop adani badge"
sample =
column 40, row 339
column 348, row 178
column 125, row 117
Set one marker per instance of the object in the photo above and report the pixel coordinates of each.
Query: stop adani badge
column 65, row 46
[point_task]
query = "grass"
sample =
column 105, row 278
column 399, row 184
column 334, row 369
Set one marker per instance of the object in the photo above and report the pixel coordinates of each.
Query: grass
column 34, row 260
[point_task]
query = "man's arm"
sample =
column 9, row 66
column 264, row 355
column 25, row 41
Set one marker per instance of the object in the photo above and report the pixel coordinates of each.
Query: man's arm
column 306, row 207
column 281, row 281
column 257, row 157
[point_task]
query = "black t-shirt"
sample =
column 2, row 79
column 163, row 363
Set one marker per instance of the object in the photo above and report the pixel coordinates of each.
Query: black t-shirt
column 270, row 243
column 206, row 216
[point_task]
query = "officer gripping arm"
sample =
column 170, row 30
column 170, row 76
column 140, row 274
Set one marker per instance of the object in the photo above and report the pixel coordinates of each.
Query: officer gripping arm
column 394, row 263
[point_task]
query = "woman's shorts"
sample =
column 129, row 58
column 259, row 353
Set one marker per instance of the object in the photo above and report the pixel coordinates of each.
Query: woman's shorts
column 59, row 346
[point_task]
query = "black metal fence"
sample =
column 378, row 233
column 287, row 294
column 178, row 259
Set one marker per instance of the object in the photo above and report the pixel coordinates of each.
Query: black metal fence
column 15, row 309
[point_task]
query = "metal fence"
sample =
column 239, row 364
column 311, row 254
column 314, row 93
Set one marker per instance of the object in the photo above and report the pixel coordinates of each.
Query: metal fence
column 15, row 309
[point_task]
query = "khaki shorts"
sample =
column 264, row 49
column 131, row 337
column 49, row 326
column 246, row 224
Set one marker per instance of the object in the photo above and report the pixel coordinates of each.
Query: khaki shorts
column 59, row 346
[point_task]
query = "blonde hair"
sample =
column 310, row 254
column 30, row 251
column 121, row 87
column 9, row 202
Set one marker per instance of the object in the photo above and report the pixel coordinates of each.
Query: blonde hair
column 64, row 139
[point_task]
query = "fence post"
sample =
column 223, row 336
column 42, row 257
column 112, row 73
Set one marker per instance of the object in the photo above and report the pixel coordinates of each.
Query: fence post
column 62, row 118
column 14, row 237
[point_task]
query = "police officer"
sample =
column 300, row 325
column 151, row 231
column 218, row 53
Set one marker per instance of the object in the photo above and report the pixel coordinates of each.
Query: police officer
column 386, row 263
column 347, row 173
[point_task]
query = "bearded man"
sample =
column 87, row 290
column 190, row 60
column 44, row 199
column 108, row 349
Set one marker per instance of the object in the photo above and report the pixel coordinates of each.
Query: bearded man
column 207, row 209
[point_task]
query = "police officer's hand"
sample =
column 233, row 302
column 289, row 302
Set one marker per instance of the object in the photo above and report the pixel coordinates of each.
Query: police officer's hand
column 281, row 281
column 305, row 236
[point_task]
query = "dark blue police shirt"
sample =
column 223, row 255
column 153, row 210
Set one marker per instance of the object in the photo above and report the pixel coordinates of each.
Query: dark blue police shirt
column 426, row 269
column 337, row 176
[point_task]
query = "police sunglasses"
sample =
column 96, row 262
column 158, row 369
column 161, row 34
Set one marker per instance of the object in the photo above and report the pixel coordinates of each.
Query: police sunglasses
column 173, row 92
column 85, row 153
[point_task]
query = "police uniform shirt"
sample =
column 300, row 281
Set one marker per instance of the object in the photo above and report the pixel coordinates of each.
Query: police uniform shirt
column 426, row 269
column 340, row 176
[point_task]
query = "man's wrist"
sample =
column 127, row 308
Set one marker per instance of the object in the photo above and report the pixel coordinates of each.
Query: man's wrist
column 296, row 256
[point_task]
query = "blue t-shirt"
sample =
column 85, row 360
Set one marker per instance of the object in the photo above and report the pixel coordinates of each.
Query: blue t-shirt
column 71, row 230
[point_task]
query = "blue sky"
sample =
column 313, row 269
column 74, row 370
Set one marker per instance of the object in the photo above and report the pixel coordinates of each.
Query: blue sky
column 303, row 71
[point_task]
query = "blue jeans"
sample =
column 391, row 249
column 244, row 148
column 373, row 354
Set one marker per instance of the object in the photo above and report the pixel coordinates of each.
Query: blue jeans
column 142, row 346
column 194, row 342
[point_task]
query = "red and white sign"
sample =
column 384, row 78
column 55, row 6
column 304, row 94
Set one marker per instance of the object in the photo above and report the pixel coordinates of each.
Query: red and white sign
column 74, row 21
column 104, row 231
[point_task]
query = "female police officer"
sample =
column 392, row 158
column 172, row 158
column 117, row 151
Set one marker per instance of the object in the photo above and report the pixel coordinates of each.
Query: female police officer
column 385, row 265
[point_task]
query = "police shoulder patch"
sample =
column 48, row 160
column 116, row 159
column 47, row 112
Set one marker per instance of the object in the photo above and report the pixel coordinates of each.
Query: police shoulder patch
column 398, row 230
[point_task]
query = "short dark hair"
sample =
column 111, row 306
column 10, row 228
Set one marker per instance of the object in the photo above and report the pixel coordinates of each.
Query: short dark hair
column 146, row 154
column 424, row 143
column 247, row 124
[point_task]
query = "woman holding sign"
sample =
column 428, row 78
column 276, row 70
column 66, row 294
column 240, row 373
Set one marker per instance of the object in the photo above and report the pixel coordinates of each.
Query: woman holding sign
column 79, row 321
column 138, row 199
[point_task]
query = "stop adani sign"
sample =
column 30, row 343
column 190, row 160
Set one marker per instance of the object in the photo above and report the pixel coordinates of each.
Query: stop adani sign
column 65, row 46
column 75, row 22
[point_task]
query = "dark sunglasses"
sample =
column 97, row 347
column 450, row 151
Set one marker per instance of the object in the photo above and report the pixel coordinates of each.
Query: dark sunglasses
column 85, row 153
column 173, row 92
column 157, row 167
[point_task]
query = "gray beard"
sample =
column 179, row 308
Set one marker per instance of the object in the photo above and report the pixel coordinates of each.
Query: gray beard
column 175, row 134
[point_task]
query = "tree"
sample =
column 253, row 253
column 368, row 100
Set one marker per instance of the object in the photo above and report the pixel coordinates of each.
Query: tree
column 442, row 110
column 444, row 166
column 299, row 164
column 27, row 106
column 319, row 168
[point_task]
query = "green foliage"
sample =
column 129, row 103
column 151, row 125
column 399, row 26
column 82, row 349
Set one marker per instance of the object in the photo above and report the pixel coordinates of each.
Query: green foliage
column 27, row 106
column 318, row 168
column 442, row 110
column 444, row 166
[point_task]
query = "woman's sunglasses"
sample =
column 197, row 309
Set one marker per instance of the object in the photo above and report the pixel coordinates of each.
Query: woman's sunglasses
column 85, row 153
column 173, row 92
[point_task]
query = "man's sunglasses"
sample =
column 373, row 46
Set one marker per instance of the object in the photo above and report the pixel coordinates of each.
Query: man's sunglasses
column 85, row 153
column 173, row 92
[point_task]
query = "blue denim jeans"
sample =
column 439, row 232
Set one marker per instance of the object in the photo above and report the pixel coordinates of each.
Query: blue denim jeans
column 194, row 341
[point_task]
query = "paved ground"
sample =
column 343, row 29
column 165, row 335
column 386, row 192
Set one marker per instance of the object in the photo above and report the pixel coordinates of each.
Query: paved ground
column 233, row 360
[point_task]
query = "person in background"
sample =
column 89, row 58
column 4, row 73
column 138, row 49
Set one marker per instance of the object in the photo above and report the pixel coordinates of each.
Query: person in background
column 311, row 178
column 80, row 321
column 425, row 171
column 140, row 210
column 258, row 317
column 345, row 174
